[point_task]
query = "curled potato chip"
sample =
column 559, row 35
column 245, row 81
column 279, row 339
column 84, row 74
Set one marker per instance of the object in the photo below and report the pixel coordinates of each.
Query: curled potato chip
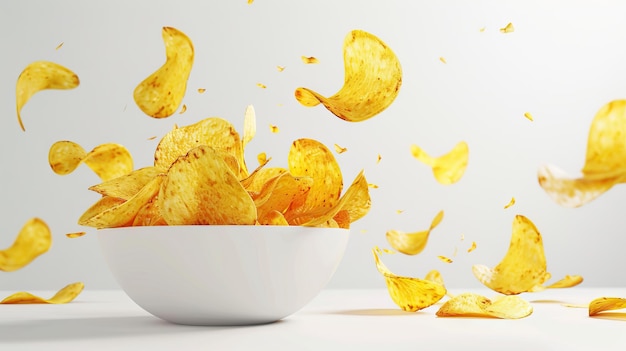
column 412, row 243
column 279, row 192
column 449, row 168
column 523, row 268
column 472, row 247
column 162, row 92
column 108, row 160
column 41, row 75
column 604, row 304
column 75, row 235
column 567, row 282
column 410, row 294
column 605, row 162
column 373, row 76
column 126, row 186
column 474, row 305
column 65, row 295
column 340, row 149
column 309, row 59
column 445, row 259
column 33, row 240
column 511, row 203
column 201, row 188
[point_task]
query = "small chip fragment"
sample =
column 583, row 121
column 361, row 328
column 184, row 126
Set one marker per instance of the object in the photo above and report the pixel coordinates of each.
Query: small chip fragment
column 378, row 158
column 604, row 304
column 33, row 240
column 472, row 247
column 508, row 28
column 444, row 259
column 201, row 90
column 108, row 160
column 75, row 235
column 443, row 59
column 412, row 243
column 410, row 294
column 567, row 282
column 474, row 305
column 511, row 203
column 339, row 149
column 183, row 109
column 261, row 158
column 449, row 168
column 372, row 186
column 261, row 85
column 152, row 137
column 59, row 46
column 274, row 128
column 65, row 295
column 280, row 68
column 309, row 60
column 528, row 116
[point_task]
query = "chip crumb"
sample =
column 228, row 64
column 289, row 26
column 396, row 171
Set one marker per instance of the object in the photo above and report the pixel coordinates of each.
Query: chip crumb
column 443, row 60
column 183, row 109
column 482, row 29
column 472, row 248
column 444, row 259
column 378, row 158
column 511, row 203
column 508, row 28
column 339, row 149
column 75, row 235
column 372, row 185
column 529, row 116
column 250, row 2
column 309, row 59
column 261, row 85
column 152, row 137
column 274, row 129
column 280, row 68
column 59, row 46
column 201, row 90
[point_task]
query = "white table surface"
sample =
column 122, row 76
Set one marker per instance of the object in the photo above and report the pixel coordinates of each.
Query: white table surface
column 335, row 320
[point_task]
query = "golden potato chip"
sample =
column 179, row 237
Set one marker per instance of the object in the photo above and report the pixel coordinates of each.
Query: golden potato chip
column 567, row 282
column 449, row 168
column 511, row 203
column 523, row 269
column 339, row 149
column 103, row 204
column 38, row 76
column 342, row 218
column 605, row 161
column 604, row 304
column 162, row 92
column 474, row 305
column 280, row 68
column 250, row 2
column 126, row 186
column 123, row 213
column 378, row 158
column 200, row 188
column 372, row 185
column 215, row 132
column 412, row 243
column 529, row 116
column 443, row 60
column 201, row 90
column 434, row 276
column 256, row 181
column 108, row 161
column 410, row 294
column 279, row 192
column 274, row 128
column 444, row 259
column 372, row 80
column 508, row 28
column 65, row 295
column 261, row 85
column 309, row 59
column 59, row 46
column 33, row 240
column 261, row 158
column 472, row 247
column 75, row 235
column 183, row 109
column 152, row 137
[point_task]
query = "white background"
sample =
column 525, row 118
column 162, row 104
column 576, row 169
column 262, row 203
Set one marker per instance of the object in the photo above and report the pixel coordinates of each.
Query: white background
column 564, row 61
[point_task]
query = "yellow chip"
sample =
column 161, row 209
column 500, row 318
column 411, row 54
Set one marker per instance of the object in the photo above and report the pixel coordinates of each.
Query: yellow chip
column 529, row 116
column 508, row 28
column 59, row 46
column 38, row 76
column 412, row 243
column 249, row 126
column 474, row 305
column 339, row 149
column 605, row 163
column 523, row 268
column 261, row 158
column 33, row 240
column 443, row 60
column 378, row 158
column 261, row 85
column 449, row 168
column 149, row 214
column 126, row 186
column 444, row 259
column 567, row 282
column 410, row 294
column 280, row 68
column 200, row 188
column 279, row 192
column 274, row 129
column 472, row 248
column 108, row 161
column 183, row 109
column 372, row 185
column 65, row 295
column 309, row 59
column 162, row 92
column 373, row 77
column 152, row 137
column 201, row 90
column 75, row 235
column 604, row 304
column 511, row 203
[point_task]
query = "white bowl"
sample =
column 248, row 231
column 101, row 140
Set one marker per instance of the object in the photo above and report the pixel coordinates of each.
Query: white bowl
column 222, row 275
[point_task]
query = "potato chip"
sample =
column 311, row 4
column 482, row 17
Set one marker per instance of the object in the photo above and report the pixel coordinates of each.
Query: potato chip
column 33, row 240
column 372, row 186
column 309, row 59
column 410, row 294
column 449, row 168
column 567, row 282
column 378, row 158
column 200, row 188
column 279, row 192
column 38, row 76
column 183, row 109
column 605, row 161
column 280, row 68
column 108, row 161
column 120, row 214
column 474, row 305
column 443, row 60
column 261, row 85
column 59, row 46
column 529, row 116
column 444, row 259
column 472, row 247
column 508, row 28
column 511, row 203
column 339, row 149
column 274, row 128
column 162, row 92
column 604, row 304
column 412, row 243
column 65, row 295
column 152, row 137
column 201, row 90
column 373, row 77
column 523, row 269
column 250, row 2
column 261, row 158
column 75, row 235
column 149, row 214
column 273, row 218
column 126, row 186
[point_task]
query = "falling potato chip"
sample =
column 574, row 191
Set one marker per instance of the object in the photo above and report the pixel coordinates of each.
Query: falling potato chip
column 38, row 76
column 472, row 247
column 567, row 282
column 528, row 116
column 511, row 203
column 126, row 186
column 200, row 188
column 508, row 28
column 372, row 185
column 108, row 161
column 250, row 2
column 378, row 158
column 33, row 240
column 339, row 149
column 59, row 46
column 152, row 137
column 261, row 85
column 280, row 68
column 523, row 269
column 75, row 235
column 201, row 90
column 183, row 109
column 449, row 168
column 162, row 92
column 410, row 294
column 444, row 259
column 604, row 304
column 474, row 305
column 309, row 59
column 605, row 162
column 412, row 243
column 261, row 157
column 372, row 80
column 65, row 295
column 274, row 129
column 443, row 60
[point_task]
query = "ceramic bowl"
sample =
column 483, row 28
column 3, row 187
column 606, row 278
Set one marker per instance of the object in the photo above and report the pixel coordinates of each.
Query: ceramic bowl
column 222, row 275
